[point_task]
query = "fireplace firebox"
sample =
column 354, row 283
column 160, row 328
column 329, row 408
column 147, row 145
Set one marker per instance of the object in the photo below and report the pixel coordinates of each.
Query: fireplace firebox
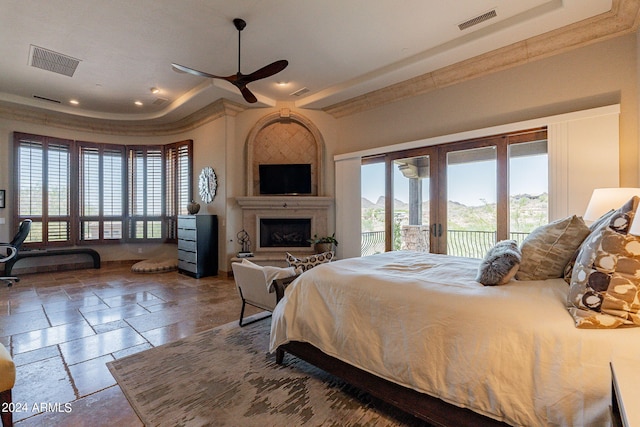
column 285, row 232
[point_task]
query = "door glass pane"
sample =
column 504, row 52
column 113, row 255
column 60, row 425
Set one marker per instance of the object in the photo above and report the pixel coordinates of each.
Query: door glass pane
column 372, row 206
column 528, row 188
column 411, row 204
column 471, row 201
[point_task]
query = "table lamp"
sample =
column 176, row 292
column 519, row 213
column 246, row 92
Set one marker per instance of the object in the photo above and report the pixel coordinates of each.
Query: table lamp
column 605, row 199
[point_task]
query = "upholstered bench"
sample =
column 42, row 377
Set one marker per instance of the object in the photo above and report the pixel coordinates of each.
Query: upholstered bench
column 7, row 380
column 34, row 253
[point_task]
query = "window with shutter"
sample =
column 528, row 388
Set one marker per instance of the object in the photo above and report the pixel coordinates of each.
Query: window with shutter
column 43, row 188
column 178, row 172
column 101, row 192
column 145, row 192
column 95, row 193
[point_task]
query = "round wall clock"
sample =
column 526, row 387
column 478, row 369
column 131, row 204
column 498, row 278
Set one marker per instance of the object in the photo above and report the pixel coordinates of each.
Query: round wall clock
column 207, row 184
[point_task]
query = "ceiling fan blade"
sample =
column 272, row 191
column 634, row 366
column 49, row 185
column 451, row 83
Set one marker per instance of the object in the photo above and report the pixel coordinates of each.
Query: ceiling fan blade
column 266, row 71
column 247, row 95
column 240, row 80
column 183, row 69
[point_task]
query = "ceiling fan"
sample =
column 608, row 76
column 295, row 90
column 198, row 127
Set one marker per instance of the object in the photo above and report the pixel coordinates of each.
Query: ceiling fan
column 240, row 80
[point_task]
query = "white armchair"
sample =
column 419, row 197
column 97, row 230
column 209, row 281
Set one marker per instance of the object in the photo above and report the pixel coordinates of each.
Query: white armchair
column 254, row 284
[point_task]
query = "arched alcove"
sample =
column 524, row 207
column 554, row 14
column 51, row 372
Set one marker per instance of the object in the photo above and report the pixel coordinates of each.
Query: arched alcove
column 284, row 137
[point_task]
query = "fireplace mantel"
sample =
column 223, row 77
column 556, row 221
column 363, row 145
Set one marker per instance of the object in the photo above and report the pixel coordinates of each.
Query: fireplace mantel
column 256, row 208
column 284, row 202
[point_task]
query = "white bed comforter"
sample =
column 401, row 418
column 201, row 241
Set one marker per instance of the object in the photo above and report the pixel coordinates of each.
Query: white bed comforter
column 510, row 352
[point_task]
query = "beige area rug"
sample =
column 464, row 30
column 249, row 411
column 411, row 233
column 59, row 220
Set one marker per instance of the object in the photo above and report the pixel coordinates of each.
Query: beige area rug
column 226, row 377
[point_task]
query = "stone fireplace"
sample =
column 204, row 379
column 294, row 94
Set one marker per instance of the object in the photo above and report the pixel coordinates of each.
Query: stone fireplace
column 282, row 224
column 278, row 224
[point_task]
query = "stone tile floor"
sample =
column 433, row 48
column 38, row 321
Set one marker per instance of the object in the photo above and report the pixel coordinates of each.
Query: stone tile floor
column 62, row 327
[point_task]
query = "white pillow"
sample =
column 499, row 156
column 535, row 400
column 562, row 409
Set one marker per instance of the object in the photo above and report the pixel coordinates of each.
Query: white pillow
column 270, row 272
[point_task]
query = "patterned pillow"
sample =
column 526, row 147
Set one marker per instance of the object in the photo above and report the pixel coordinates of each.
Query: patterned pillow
column 568, row 270
column 549, row 248
column 604, row 287
column 307, row 263
column 500, row 263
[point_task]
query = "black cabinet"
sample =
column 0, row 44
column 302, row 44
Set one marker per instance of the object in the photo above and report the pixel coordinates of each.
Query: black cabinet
column 198, row 245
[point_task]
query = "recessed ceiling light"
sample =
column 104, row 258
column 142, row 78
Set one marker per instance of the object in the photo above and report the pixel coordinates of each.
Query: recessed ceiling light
column 138, row 103
column 283, row 83
column 155, row 90
column 74, row 102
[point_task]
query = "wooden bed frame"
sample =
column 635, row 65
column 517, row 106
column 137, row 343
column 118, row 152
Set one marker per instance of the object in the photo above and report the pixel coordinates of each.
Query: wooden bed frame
column 428, row 408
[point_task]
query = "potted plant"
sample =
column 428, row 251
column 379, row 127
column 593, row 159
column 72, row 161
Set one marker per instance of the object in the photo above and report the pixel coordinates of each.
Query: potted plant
column 323, row 244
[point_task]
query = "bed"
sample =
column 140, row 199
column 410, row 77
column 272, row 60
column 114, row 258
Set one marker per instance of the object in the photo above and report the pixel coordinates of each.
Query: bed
column 448, row 349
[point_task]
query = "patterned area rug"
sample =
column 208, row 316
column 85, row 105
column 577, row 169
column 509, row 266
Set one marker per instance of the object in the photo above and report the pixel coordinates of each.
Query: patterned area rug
column 226, row 377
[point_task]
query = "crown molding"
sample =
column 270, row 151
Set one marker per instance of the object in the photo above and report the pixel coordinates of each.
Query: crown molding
column 213, row 111
column 623, row 18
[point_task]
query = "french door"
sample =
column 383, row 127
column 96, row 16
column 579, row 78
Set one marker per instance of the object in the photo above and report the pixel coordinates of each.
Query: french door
column 457, row 198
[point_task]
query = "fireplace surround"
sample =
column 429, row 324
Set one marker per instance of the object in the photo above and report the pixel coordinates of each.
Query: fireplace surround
column 311, row 211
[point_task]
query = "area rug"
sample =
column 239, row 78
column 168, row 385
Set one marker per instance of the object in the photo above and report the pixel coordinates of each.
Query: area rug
column 226, row 377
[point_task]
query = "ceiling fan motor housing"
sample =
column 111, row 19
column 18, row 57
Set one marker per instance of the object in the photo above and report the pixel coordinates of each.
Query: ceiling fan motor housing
column 239, row 23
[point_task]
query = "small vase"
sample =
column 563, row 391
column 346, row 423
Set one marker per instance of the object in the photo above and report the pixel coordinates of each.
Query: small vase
column 193, row 207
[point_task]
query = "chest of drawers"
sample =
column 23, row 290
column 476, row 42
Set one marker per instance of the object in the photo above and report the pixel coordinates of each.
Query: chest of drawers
column 198, row 245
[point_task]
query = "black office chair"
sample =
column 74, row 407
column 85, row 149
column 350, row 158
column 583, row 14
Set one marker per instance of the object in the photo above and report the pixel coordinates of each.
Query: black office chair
column 11, row 249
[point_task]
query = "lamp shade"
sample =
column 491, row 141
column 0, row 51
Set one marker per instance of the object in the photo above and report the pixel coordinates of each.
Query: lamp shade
column 605, row 199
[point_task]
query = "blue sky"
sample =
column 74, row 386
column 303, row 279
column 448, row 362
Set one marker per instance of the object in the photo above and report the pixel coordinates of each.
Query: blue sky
column 469, row 183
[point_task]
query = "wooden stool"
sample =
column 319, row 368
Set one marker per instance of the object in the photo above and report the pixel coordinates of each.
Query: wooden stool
column 7, row 380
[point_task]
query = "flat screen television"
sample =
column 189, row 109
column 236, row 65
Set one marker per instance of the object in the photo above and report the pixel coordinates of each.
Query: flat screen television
column 285, row 179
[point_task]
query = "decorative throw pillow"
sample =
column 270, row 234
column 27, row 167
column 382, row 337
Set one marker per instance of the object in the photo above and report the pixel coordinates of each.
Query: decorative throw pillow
column 307, row 263
column 568, row 269
column 549, row 248
column 604, row 287
column 500, row 263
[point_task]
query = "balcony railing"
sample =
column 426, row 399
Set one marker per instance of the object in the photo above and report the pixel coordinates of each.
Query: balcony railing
column 472, row 244
column 372, row 242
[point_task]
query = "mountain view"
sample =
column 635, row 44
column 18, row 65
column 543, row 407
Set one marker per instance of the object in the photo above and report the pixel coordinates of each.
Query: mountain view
column 527, row 212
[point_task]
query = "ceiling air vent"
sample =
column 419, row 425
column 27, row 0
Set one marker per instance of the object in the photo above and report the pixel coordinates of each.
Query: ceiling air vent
column 52, row 61
column 299, row 92
column 478, row 19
